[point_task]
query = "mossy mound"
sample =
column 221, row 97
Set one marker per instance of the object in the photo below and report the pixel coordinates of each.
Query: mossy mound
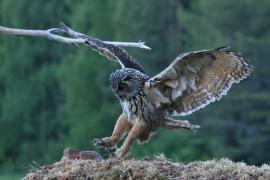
column 158, row 168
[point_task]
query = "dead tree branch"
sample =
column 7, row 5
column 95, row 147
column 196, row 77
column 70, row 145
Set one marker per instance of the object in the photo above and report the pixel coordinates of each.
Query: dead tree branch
column 76, row 37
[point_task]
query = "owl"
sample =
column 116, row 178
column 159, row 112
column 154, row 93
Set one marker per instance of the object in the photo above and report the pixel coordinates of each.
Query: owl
column 189, row 83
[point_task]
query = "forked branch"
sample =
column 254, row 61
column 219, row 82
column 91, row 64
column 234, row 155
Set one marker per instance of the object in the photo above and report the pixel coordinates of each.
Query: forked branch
column 75, row 37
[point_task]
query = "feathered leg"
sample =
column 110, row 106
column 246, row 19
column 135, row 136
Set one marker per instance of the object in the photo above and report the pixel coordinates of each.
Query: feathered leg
column 175, row 124
column 132, row 136
column 121, row 127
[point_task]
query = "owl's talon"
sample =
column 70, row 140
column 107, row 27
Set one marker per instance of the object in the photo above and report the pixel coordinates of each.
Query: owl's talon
column 98, row 142
column 119, row 153
column 112, row 155
column 193, row 127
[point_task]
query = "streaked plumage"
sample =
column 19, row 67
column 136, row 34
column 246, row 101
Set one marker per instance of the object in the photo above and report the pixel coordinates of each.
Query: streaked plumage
column 190, row 82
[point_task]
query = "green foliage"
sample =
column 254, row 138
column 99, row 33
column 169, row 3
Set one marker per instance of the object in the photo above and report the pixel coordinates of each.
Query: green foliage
column 158, row 26
column 54, row 96
column 31, row 118
column 91, row 106
column 242, row 117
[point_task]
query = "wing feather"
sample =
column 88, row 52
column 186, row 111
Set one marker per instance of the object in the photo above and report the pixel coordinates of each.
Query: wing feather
column 196, row 79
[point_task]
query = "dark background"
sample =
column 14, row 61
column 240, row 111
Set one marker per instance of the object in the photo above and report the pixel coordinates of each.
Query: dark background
column 54, row 96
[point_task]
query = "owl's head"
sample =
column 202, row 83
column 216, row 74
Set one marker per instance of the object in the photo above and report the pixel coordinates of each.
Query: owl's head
column 127, row 82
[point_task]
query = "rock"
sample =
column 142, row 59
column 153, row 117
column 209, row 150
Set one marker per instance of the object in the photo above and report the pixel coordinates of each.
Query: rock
column 90, row 155
column 71, row 153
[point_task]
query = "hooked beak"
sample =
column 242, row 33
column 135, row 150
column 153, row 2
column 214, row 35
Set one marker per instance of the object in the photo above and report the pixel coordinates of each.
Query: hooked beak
column 120, row 94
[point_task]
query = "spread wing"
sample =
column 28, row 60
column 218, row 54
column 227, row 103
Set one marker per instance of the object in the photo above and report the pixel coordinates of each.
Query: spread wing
column 195, row 79
column 110, row 51
column 115, row 53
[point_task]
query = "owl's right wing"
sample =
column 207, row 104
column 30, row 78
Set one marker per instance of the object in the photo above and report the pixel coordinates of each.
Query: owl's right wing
column 196, row 79
column 110, row 51
column 115, row 53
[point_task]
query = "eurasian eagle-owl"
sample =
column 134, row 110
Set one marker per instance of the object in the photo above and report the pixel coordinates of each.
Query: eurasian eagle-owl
column 190, row 82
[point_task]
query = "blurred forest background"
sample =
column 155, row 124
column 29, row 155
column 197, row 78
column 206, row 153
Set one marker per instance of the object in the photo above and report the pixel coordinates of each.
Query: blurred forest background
column 55, row 96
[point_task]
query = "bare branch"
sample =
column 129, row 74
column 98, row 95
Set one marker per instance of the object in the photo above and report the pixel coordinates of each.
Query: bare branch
column 42, row 33
column 77, row 37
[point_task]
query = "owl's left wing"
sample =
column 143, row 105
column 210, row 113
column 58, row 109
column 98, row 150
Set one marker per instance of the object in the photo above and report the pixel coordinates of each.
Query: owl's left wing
column 195, row 79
